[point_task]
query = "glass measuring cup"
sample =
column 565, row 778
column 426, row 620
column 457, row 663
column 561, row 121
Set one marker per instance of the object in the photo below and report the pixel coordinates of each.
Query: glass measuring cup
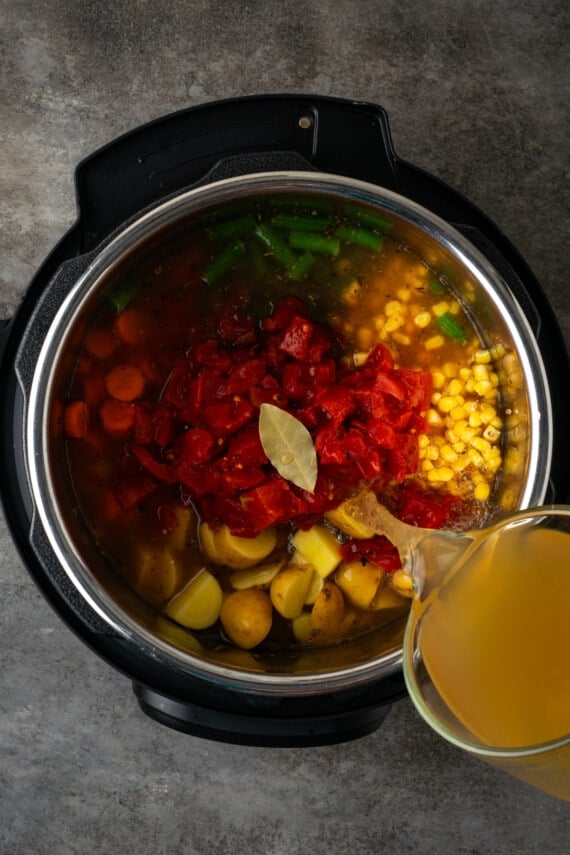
column 487, row 644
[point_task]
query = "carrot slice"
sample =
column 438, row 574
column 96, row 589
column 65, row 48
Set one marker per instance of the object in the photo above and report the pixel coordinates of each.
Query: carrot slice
column 125, row 382
column 75, row 419
column 132, row 325
column 117, row 417
column 100, row 343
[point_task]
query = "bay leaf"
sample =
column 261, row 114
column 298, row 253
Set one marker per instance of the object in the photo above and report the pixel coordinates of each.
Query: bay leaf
column 289, row 446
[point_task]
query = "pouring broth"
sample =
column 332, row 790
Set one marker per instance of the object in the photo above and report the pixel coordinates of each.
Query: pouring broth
column 234, row 531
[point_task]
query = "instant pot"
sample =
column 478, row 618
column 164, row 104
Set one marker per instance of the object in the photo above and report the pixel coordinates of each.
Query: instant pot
column 126, row 193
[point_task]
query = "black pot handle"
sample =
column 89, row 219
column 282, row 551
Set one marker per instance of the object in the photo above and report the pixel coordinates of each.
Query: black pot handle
column 177, row 151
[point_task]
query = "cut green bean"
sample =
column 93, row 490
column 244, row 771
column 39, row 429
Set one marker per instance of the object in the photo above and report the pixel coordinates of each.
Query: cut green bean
column 275, row 244
column 222, row 262
column 314, row 243
column 436, row 287
column 301, row 223
column 448, row 326
column 121, row 296
column 362, row 237
column 367, row 218
column 231, row 228
column 301, row 266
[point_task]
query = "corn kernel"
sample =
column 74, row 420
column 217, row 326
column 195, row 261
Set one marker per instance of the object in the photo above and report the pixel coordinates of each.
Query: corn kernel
column 475, row 457
column 446, row 403
column 433, row 418
column 423, row 441
column 475, row 420
column 438, row 379
column 440, row 308
column 483, row 387
column 494, row 378
column 454, row 387
column 401, row 338
column 464, row 374
column 491, row 433
column 482, row 492
column 432, row 453
column 379, row 322
column 422, row 320
column 448, row 454
column 426, row 466
column 461, row 463
column 458, row 447
column 465, row 433
column 482, row 357
column 394, row 322
column 403, row 583
column 458, row 413
column 450, row 369
column 480, row 444
column 497, row 351
column 359, row 358
column 404, row 294
column 480, row 372
column 434, row 342
column 393, row 307
column 444, row 473
column 454, row 308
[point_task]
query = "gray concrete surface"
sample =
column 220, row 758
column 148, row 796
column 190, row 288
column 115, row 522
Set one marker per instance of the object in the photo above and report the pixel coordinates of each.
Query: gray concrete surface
column 477, row 93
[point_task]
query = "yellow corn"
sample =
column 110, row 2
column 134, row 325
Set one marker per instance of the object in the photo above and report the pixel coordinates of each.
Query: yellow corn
column 393, row 307
column 422, row 320
column 434, row 342
column 440, row 308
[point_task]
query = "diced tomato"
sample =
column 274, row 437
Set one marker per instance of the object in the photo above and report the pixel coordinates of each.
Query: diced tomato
column 159, row 470
column 210, row 354
column 376, row 550
column 296, row 338
column 329, row 446
column 270, row 503
column 153, row 424
column 403, row 459
column 245, row 448
column 245, row 375
column 283, row 314
column 425, row 509
column 236, row 480
column 303, row 380
column 379, row 359
column 419, row 388
column 227, row 417
column 389, row 384
column 380, row 432
column 197, row 445
column 337, row 401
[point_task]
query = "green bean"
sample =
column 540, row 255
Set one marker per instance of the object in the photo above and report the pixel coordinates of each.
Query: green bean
column 121, row 296
column 302, row 223
column 314, row 243
column 275, row 244
column 301, row 266
column 231, row 228
column 362, row 237
column 448, row 326
column 436, row 287
column 223, row 261
column 367, row 218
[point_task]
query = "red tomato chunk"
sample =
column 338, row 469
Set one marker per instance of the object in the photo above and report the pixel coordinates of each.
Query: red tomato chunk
column 203, row 433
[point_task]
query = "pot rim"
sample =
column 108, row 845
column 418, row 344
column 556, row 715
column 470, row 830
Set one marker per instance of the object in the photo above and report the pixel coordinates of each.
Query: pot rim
column 127, row 240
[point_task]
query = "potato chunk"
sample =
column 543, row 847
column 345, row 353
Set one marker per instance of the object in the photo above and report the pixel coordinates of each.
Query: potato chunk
column 158, row 574
column 199, row 604
column 289, row 590
column 328, row 612
column 320, row 548
column 222, row 547
column 359, row 582
column 246, row 617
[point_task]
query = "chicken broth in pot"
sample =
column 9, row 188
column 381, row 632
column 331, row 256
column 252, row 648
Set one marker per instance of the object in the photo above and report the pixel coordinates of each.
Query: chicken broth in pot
column 240, row 378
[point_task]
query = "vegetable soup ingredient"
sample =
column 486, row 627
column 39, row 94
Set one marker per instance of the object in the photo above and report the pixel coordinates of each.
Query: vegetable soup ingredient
column 199, row 604
column 223, row 547
column 231, row 397
column 246, row 617
column 289, row 590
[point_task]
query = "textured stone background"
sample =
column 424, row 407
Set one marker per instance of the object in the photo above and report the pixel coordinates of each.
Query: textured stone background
column 477, row 93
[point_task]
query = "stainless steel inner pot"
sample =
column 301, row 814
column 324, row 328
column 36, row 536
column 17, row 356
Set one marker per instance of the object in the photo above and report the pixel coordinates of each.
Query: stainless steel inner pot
column 491, row 305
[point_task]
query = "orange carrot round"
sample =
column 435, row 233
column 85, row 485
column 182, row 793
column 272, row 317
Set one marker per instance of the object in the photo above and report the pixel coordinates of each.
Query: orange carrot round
column 75, row 419
column 132, row 325
column 125, row 382
column 117, row 417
